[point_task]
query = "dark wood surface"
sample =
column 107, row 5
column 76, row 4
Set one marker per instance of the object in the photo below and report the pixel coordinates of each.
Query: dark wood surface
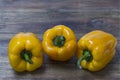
column 36, row 16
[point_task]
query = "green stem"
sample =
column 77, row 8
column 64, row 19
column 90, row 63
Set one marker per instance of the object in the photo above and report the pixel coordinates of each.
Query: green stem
column 59, row 41
column 86, row 56
column 26, row 55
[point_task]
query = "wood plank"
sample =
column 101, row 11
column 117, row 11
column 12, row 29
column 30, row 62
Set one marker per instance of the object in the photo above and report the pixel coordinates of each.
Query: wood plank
column 58, row 3
column 82, row 27
column 16, row 11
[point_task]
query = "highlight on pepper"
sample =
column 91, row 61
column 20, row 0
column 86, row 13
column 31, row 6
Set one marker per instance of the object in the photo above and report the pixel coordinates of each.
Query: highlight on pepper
column 95, row 50
column 25, row 52
column 59, row 43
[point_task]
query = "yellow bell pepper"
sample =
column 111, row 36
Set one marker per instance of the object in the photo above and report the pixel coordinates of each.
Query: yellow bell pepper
column 25, row 52
column 59, row 43
column 95, row 50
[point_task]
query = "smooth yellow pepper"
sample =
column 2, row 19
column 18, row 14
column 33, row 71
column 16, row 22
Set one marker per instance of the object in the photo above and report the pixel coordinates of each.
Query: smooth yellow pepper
column 59, row 43
column 25, row 52
column 95, row 50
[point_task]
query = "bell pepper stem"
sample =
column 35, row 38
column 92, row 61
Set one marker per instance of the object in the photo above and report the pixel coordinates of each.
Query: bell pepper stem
column 86, row 56
column 59, row 41
column 26, row 55
column 27, row 58
column 79, row 62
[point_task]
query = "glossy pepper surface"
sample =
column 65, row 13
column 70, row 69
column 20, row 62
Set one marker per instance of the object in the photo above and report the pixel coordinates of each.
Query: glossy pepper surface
column 95, row 50
column 59, row 43
column 25, row 52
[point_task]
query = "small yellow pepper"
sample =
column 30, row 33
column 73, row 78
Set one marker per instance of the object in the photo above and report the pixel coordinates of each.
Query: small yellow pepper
column 59, row 43
column 95, row 50
column 25, row 52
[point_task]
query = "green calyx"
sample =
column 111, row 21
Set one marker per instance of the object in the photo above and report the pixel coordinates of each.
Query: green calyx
column 26, row 55
column 86, row 56
column 59, row 41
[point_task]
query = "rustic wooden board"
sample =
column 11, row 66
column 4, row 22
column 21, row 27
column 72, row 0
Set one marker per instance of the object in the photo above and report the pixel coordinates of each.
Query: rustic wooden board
column 81, row 16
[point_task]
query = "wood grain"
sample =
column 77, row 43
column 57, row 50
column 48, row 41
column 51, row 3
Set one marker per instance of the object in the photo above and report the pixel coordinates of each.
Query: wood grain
column 36, row 16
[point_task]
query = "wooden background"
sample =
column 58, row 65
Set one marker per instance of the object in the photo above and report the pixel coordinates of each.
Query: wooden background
column 37, row 16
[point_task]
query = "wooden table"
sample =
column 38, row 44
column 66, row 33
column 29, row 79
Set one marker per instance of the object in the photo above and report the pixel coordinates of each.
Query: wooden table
column 36, row 16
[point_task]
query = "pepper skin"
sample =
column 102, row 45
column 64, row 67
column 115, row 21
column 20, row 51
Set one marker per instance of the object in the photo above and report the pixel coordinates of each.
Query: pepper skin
column 59, row 43
column 25, row 52
column 95, row 50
